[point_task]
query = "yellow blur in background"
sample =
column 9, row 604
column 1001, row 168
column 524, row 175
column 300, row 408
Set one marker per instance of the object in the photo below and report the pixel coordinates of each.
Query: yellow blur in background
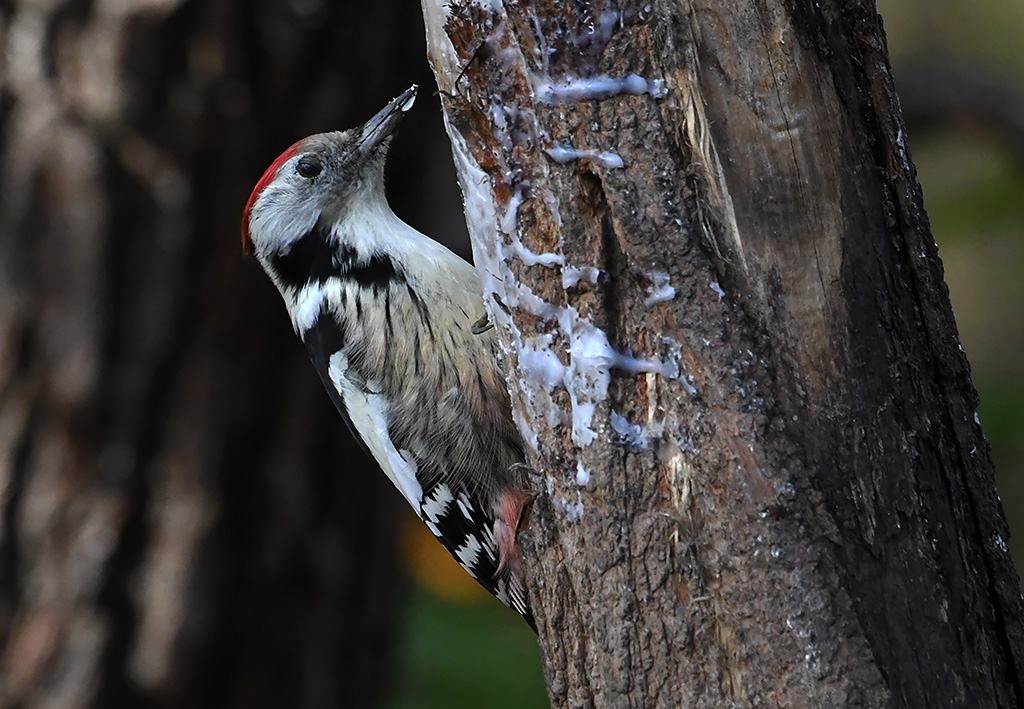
column 429, row 565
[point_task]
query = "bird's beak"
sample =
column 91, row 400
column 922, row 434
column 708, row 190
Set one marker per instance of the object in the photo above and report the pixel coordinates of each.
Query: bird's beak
column 387, row 119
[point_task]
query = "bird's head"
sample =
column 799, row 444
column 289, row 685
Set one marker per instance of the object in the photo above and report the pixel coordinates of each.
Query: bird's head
column 318, row 179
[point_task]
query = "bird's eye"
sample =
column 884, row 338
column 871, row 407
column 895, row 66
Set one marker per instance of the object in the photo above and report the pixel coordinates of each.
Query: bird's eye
column 309, row 167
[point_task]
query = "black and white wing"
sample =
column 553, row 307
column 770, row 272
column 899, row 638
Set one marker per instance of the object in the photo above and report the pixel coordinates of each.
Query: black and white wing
column 462, row 518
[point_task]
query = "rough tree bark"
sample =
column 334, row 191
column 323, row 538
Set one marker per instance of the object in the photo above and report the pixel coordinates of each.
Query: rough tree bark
column 182, row 522
column 762, row 480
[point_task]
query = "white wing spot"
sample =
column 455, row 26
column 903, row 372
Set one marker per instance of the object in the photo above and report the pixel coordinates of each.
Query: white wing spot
column 469, row 552
column 437, row 504
column 466, row 507
column 489, row 543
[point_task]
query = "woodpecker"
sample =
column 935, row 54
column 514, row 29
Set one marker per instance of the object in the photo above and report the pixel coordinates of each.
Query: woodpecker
column 392, row 321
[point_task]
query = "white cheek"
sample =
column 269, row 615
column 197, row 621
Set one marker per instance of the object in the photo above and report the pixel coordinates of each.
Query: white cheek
column 281, row 215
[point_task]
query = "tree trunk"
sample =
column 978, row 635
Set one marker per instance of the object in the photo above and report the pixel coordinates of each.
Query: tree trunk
column 182, row 520
column 762, row 480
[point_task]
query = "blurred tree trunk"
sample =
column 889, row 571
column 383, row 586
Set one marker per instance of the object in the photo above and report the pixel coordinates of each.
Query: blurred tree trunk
column 774, row 491
column 182, row 521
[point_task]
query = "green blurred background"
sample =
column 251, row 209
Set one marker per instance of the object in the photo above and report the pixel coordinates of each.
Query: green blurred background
column 959, row 68
column 964, row 64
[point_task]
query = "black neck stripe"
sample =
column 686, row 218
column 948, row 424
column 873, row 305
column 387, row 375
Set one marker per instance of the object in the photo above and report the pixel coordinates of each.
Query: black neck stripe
column 313, row 259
